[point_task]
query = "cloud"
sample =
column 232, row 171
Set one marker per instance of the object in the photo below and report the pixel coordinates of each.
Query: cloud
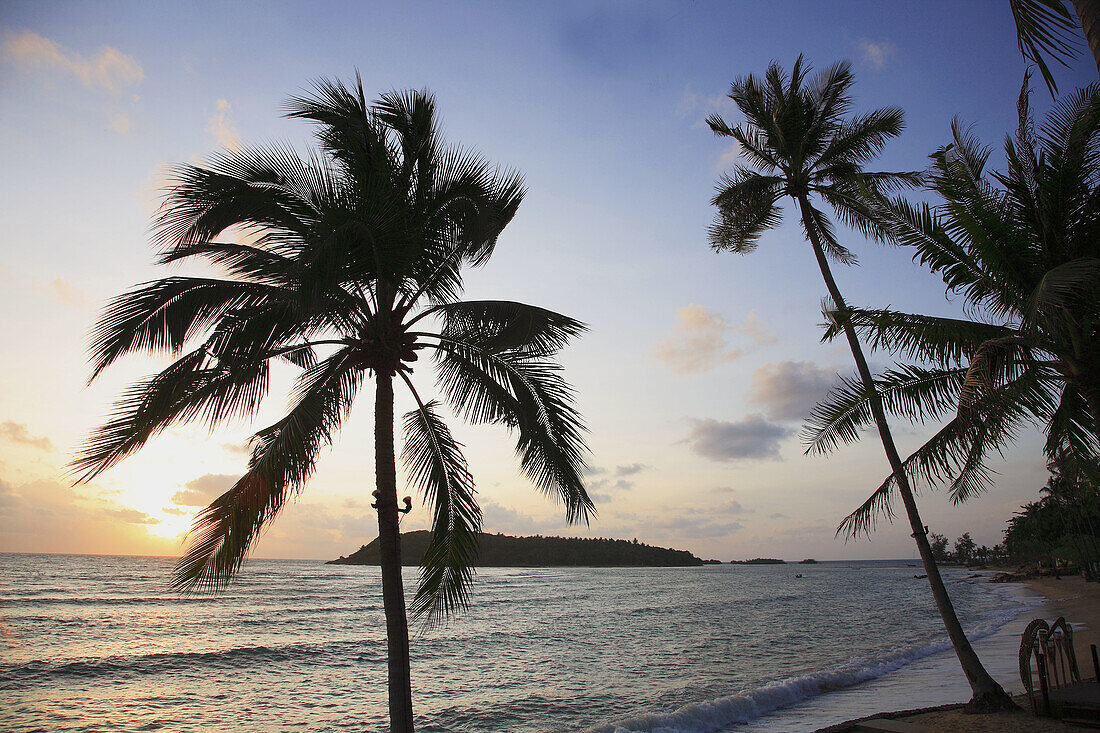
column 698, row 341
column 875, row 54
column 730, row 507
column 610, row 485
column 46, row 516
column 204, row 489
column 499, row 518
column 630, row 469
column 221, row 126
column 701, row 106
column 121, row 124
column 130, row 516
column 789, row 389
column 175, row 510
column 14, row 432
column 752, row 328
column 753, row 438
column 64, row 292
column 108, row 69
column 240, row 449
column 696, row 525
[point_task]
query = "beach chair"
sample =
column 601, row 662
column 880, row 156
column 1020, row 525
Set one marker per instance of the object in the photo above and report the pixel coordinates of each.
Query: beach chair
column 1050, row 648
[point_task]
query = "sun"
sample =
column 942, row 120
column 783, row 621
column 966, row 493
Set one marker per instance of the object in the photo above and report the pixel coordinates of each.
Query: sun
column 169, row 526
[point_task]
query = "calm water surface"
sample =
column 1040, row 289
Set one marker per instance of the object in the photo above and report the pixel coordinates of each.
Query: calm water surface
column 101, row 644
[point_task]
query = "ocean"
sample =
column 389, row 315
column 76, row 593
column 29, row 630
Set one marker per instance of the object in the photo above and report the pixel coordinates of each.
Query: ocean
column 95, row 643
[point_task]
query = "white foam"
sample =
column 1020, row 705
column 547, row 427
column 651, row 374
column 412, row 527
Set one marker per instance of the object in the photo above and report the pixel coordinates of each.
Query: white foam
column 714, row 715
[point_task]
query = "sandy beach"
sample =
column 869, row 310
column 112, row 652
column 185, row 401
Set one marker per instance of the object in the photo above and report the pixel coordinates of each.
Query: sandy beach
column 1071, row 597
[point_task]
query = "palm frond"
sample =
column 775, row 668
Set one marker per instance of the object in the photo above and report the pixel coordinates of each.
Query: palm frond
column 912, row 392
column 161, row 316
column 502, row 325
column 934, row 339
column 526, row 393
column 434, row 461
column 195, row 386
column 1045, row 28
column 283, row 458
column 817, row 220
column 746, row 203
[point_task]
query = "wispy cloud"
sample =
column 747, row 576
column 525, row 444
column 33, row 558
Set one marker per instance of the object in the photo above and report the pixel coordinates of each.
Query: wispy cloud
column 120, row 124
column 699, row 340
column 14, row 432
column 221, row 126
column 753, row 438
column 789, row 389
column 107, row 69
column 697, row 343
column 46, row 516
column 695, row 105
column 499, row 518
column 875, row 53
column 65, row 293
column 204, row 489
column 755, row 330
column 630, row 469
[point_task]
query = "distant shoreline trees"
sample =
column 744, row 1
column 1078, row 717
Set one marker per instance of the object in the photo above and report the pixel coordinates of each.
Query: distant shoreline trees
column 501, row 550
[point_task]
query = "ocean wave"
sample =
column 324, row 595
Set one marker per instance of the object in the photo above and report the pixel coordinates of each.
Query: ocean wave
column 329, row 654
column 716, row 714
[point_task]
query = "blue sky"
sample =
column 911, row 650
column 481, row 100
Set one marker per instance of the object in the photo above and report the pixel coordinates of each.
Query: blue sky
column 601, row 107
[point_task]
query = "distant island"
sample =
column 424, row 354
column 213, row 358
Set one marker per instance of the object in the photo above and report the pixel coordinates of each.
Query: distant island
column 808, row 561
column 759, row 561
column 501, row 550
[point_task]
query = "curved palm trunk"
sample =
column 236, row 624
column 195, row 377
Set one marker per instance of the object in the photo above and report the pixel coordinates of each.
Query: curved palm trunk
column 389, row 545
column 1088, row 12
column 988, row 694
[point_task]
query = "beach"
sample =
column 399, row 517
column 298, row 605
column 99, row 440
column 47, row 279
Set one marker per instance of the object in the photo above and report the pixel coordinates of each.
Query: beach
column 1069, row 596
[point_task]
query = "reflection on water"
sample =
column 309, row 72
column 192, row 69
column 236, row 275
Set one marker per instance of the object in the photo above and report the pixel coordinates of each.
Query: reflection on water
column 100, row 643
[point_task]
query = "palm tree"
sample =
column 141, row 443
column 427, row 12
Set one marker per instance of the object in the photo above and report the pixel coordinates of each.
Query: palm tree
column 353, row 270
column 798, row 143
column 1024, row 251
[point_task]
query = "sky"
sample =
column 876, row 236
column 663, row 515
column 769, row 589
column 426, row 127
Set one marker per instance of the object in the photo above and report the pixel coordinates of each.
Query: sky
column 698, row 366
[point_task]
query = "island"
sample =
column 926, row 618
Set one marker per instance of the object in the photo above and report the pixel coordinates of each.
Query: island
column 506, row 551
column 759, row 561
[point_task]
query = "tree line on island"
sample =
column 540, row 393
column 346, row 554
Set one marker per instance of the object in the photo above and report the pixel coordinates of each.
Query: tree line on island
column 355, row 264
column 501, row 550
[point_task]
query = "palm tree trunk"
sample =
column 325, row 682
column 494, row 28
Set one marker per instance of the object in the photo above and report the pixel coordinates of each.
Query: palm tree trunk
column 389, row 545
column 988, row 694
column 1088, row 12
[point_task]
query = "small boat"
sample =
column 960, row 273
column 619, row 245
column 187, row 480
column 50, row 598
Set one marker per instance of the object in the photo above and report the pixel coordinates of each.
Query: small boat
column 799, row 575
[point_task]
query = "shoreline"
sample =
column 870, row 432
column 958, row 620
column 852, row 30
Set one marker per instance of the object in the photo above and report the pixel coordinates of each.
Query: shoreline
column 1071, row 597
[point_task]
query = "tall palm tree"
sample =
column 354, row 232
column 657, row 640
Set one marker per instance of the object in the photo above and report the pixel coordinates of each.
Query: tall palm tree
column 353, row 270
column 1024, row 252
column 798, row 142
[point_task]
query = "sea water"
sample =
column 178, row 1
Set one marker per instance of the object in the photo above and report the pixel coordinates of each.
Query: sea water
column 92, row 643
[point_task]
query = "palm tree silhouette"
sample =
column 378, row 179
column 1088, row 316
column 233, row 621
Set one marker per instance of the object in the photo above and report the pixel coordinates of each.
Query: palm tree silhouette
column 354, row 270
column 798, row 143
column 1023, row 249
